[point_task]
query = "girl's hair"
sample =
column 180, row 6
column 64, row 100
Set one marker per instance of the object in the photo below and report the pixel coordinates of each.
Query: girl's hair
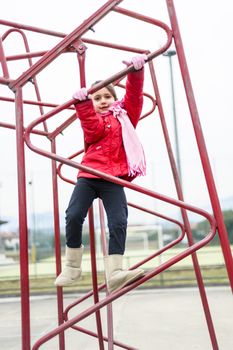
column 110, row 88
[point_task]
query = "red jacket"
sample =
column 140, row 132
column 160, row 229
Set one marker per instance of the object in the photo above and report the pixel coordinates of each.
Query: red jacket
column 102, row 133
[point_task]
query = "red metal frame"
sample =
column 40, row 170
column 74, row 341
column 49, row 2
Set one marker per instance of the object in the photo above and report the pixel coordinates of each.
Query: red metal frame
column 73, row 43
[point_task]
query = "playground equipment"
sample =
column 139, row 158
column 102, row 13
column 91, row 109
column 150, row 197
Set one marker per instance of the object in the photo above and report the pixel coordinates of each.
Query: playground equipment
column 77, row 44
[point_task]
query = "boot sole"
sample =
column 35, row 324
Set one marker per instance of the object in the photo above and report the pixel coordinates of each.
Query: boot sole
column 67, row 284
column 126, row 283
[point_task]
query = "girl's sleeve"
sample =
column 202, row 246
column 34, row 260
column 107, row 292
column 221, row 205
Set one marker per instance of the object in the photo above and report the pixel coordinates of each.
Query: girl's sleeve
column 133, row 99
column 92, row 124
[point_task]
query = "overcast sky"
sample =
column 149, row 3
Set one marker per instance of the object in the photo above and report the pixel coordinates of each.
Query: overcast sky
column 206, row 30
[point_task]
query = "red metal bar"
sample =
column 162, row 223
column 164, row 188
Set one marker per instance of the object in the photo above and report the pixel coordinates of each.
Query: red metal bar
column 225, row 244
column 81, row 60
column 94, row 277
column 152, row 256
column 106, row 339
column 57, row 245
column 105, row 253
column 63, row 35
column 25, row 56
column 36, row 103
column 64, row 45
column 184, row 213
column 23, row 231
column 158, row 215
column 81, row 55
column 52, row 135
column 206, row 308
column 67, row 41
column 3, row 61
column 60, row 166
column 31, row 28
column 5, row 81
column 26, row 45
column 13, row 127
column 117, row 294
column 113, row 46
column 170, row 245
column 98, row 87
column 7, row 125
column 118, row 75
column 166, row 247
column 105, row 176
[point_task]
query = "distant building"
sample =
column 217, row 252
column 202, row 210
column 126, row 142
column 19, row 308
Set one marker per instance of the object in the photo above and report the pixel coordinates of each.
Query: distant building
column 9, row 240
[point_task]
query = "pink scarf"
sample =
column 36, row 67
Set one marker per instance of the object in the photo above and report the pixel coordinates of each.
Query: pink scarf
column 133, row 148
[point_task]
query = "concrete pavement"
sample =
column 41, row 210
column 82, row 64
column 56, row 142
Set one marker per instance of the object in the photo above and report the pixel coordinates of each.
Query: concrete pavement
column 158, row 319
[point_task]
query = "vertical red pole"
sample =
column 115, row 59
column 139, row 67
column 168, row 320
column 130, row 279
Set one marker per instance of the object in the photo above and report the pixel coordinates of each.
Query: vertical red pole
column 3, row 61
column 23, row 231
column 81, row 59
column 184, row 214
column 225, row 244
column 105, row 252
column 94, row 277
column 57, row 243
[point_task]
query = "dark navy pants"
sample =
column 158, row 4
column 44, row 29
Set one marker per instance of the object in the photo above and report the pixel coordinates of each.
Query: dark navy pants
column 115, row 205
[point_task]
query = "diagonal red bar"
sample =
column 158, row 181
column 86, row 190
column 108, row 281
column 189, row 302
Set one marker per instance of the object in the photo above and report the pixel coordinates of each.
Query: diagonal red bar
column 67, row 41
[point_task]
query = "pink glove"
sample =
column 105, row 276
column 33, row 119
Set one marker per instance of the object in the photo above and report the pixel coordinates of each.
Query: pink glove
column 81, row 94
column 137, row 61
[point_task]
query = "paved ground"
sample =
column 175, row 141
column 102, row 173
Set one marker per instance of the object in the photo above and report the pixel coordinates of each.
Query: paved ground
column 167, row 319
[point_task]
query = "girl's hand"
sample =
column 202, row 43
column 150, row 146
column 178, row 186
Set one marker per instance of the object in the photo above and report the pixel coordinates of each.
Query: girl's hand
column 81, row 94
column 137, row 61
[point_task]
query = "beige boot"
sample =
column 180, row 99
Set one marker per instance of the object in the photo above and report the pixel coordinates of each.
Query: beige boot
column 115, row 276
column 72, row 270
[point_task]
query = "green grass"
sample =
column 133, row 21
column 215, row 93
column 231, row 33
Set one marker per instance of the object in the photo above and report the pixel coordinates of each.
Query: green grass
column 42, row 274
column 170, row 278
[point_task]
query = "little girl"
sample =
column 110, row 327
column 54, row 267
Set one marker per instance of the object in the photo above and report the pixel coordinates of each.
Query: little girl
column 113, row 148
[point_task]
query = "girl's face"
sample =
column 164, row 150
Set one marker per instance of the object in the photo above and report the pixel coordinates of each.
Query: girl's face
column 102, row 100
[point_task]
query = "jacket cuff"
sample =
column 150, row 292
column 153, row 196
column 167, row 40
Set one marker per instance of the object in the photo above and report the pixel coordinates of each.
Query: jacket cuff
column 83, row 106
